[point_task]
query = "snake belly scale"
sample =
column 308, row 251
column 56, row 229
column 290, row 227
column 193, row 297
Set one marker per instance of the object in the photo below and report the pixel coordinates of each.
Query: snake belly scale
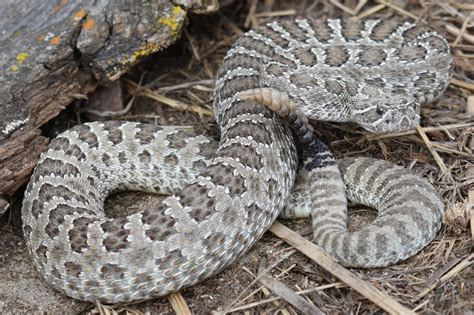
column 373, row 73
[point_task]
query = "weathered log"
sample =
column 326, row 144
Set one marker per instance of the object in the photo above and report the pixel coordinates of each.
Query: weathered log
column 53, row 51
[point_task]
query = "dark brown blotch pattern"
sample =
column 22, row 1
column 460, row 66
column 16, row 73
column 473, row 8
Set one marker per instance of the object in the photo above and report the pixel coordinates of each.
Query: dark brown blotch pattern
column 58, row 144
column 86, row 135
column 240, row 83
column 117, row 234
column 245, row 154
column 369, row 57
column 248, row 107
column 296, row 32
column 305, row 56
column 244, row 61
column 336, row 56
column 274, row 36
column 202, row 205
column 276, row 70
column 351, row 29
column 222, row 175
column 48, row 191
column 57, row 167
column 73, row 270
column 383, row 29
column 161, row 225
column 146, row 133
column 144, row 156
column 248, row 129
column 57, row 217
column 78, row 234
column 115, row 136
column 323, row 32
column 111, row 271
column 74, row 151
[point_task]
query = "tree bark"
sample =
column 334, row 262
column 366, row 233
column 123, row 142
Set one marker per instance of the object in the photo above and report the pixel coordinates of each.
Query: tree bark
column 53, row 51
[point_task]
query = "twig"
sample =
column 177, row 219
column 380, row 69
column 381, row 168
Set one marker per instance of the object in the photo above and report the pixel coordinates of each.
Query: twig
column 265, row 301
column 289, row 295
column 463, row 29
column 456, row 31
column 370, row 11
column 285, row 256
column 194, row 50
column 470, row 197
column 276, row 13
column 463, row 84
column 178, row 303
column 343, row 7
column 435, row 154
column 396, row 8
column 373, row 137
column 260, row 288
column 450, row 274
column 251, row 20
column 197, row 84
column 317, row 254
column 134, row 89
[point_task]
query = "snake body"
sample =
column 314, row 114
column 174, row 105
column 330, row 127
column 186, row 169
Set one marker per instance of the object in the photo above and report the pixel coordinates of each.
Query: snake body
column 373, row 73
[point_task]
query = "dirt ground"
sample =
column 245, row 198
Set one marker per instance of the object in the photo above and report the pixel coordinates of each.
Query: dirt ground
column 184, row 74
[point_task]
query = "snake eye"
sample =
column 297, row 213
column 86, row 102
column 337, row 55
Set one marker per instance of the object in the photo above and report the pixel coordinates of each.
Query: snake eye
column 379, row 111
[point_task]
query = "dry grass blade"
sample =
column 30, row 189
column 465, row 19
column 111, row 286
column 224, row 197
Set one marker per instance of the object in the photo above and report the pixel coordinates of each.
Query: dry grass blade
column 317, row 254
column 135, row 89
column 237, row 299
column 435, row 154
column 470, row 200
column 463, row 84
column 265, row 301
column 397, row 8
column 370, row 11
column 178, row 303
column 289, row 295
column 343, row 7
column 457, row 31
column 463, row 29
column 276, row 13
column 372, row 137
column 468, row 261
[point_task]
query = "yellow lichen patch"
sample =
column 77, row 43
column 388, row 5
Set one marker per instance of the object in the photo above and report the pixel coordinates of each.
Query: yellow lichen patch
column 173, row 21
column 21, row 57
column 14, row 68
column 145, row 51
column 80, row 14
column 55, row 40
column 88, row 24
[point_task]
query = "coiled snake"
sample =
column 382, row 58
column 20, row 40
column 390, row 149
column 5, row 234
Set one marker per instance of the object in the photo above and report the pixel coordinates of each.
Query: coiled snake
column 374, row 73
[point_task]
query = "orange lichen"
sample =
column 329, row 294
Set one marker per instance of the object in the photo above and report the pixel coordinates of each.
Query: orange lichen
column 41, row 38
column 80, row 14
column 58, row 6
column 88, row 24
column 55, row 40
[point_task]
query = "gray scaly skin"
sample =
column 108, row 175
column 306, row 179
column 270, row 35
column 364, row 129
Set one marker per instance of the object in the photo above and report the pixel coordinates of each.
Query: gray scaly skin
column 225, row 209
column 410, row 210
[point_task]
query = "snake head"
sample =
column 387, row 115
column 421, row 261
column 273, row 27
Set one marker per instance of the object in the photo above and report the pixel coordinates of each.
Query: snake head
column 387, row 114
